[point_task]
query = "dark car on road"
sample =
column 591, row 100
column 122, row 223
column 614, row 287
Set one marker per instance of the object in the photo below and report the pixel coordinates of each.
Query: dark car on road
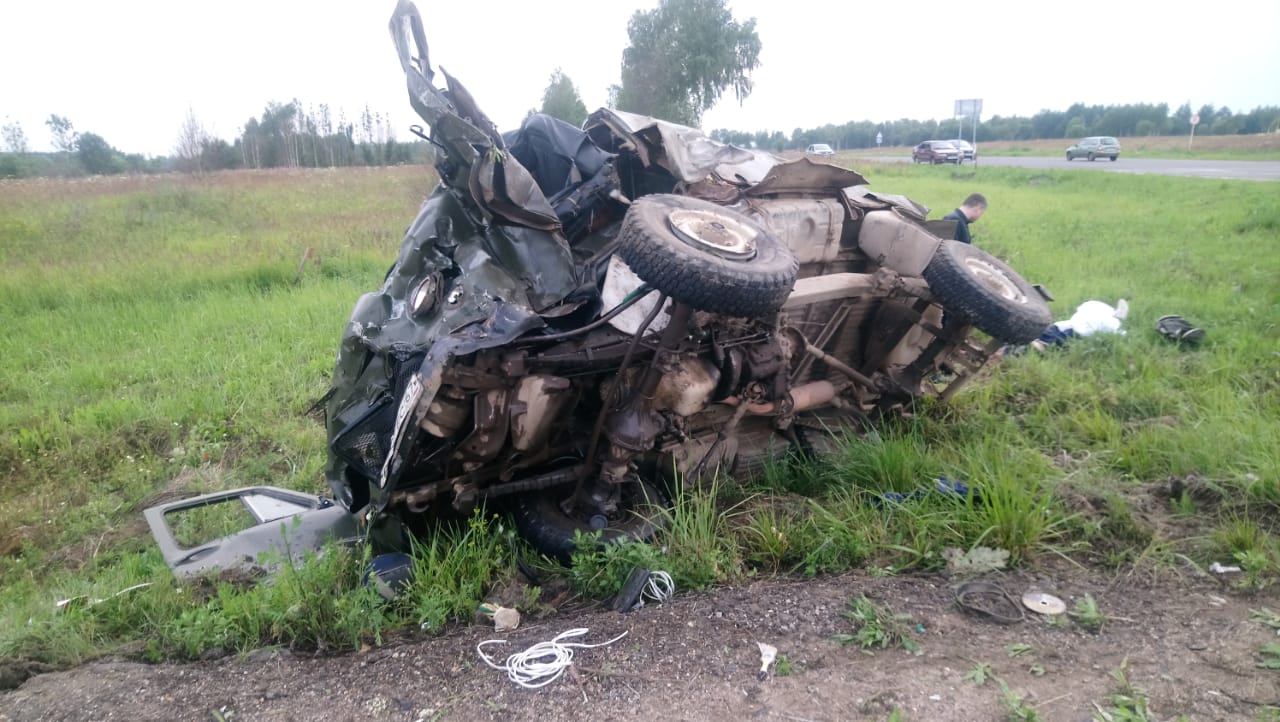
column 937, row 151
column 1098, row 146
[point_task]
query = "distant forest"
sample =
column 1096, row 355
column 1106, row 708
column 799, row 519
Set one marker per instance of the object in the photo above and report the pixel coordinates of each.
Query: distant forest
column 1077, row 121
column 289, row 135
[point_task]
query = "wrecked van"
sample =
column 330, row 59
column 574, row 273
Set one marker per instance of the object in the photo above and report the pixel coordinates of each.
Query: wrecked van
column 580, row 318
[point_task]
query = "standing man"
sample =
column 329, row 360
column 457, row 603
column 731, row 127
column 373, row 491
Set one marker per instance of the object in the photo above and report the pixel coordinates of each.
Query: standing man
column 969, row 212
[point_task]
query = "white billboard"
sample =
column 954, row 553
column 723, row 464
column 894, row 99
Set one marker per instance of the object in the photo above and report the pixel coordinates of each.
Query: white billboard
column 969, row 108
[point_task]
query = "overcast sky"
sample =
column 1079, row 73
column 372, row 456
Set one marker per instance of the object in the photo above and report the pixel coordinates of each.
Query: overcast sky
column 128, row 70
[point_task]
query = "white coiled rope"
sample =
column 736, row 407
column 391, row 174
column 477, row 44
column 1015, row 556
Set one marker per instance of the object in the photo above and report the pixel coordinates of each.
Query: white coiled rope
column 660, row 587
column 542, row 663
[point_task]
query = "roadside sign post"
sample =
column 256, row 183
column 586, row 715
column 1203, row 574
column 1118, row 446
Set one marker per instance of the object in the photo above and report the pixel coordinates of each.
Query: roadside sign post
column 879, row 138
column 1195, row 120
column 971, row 108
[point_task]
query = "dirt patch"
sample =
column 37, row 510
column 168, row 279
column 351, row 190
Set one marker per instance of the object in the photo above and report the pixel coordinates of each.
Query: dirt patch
column 1189, row 642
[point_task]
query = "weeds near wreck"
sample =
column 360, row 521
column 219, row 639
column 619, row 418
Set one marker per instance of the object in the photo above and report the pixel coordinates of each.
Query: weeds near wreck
column 319, row 602
column 1127, row 703
column 1267, row 617
column 771, row 537
column 980, row 673
column 1016, row 704
column 698, row 539
column 599, row 570
column 877, row 626
column 454, row 567
column 694, row 544
column 1087, row 614
column 1256, row 565
column 1270, row 655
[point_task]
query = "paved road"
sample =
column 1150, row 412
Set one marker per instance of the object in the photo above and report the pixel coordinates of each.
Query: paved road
column 1258, row 170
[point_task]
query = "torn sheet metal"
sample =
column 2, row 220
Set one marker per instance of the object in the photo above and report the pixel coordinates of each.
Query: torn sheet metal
column 288, row 522
column 862, row 198
column 805, row 176
column 687, row 153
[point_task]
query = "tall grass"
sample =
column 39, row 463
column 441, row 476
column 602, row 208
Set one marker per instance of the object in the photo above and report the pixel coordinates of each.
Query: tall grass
column 166, row 336
column 160, row 324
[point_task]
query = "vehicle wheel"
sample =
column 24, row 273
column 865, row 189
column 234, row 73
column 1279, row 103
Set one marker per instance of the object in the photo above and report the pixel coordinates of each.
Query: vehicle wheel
column 1070, row 157
column 986, row 292
column 1090, row 156
column 642, row 511
column 1113, row 158
column 707, row 256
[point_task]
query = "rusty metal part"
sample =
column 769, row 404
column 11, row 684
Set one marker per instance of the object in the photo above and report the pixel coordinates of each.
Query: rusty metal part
column 539, row 401
column 803, row 398
column 446, row 413
column 895, row 242
column 811, row 227
column 725, row 444
column 838, row 365
column 835, row 286
column 686, row 388
column 892, row 321
column 490, row 433
column 765, row 359
column 632, row 428
column 824, row 336
column 969, row 358
column 614, row 390
column 419, row 499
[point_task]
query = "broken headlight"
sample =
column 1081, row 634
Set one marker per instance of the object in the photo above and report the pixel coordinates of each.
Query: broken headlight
column 426, row 296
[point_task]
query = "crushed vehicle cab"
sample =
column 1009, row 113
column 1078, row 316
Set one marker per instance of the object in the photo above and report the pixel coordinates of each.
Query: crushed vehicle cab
column 580, row 318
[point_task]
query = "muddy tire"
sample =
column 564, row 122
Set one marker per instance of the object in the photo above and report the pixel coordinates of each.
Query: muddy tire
column 987, row 293
column 707, row 256
column 642, row 511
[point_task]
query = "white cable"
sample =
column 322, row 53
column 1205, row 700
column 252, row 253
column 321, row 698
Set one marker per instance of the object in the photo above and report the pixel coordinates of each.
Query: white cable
column 544, row 659
column 660, row 587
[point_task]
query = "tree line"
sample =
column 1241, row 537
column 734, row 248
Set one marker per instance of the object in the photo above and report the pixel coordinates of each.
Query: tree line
column 1077, row 121
column 286, row 135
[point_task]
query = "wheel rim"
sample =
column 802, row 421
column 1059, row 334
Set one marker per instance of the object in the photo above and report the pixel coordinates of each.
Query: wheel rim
column 713, row 232
column 994, row 279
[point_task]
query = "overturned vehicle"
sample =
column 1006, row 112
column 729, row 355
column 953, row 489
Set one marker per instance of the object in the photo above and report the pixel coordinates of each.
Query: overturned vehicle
column 580, row 318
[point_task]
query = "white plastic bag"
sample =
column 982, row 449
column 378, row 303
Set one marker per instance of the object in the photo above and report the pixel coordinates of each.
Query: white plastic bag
column 1096, row 317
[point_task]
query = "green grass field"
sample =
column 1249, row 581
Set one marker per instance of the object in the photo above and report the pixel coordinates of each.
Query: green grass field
column 165, row 336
